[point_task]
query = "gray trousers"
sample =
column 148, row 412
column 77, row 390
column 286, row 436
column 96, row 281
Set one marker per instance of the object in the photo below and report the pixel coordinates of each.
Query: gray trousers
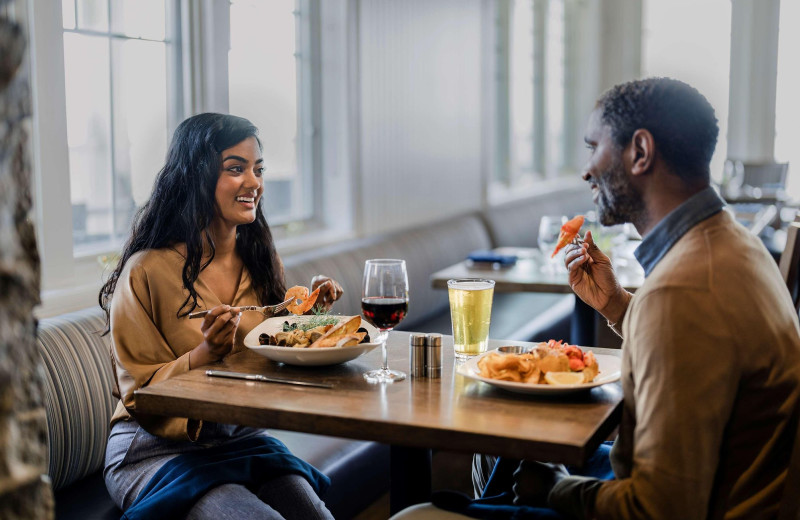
column 133, row 456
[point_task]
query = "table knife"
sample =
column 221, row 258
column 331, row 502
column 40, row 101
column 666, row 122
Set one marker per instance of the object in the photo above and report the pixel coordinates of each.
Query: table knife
column 262, row 379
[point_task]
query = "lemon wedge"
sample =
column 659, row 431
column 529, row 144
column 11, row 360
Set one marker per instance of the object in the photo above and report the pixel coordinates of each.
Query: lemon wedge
column 564, row 378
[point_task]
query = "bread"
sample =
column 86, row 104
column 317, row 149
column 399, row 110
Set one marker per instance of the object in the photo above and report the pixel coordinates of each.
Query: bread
column 346, row 328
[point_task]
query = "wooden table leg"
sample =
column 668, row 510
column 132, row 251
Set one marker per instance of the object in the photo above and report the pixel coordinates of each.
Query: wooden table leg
column 410, row 477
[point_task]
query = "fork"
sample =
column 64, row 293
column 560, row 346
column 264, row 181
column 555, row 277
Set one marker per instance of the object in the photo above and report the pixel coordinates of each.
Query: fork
column 268, row 311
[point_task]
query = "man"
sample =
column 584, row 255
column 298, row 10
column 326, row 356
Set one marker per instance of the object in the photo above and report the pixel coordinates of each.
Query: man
column 711, row 344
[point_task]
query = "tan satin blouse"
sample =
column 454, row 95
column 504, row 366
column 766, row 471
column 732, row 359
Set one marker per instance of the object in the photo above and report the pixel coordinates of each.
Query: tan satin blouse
column 150, row 343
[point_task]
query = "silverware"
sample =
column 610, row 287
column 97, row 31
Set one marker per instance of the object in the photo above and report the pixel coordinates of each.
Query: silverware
column 514, row 349
column 262, row 379
column 268, row 311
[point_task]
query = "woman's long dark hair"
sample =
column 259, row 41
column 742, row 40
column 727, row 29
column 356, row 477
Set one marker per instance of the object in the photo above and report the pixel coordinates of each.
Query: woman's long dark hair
column 182, row 206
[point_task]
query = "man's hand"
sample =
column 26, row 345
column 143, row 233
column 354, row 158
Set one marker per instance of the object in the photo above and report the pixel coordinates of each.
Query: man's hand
column 534, row 480
column 329, row 291
column 592, row 278
column 219, row 331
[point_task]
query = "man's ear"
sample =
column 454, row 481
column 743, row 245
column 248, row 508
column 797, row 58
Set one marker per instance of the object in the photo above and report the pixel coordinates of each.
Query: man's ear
column 642, row 151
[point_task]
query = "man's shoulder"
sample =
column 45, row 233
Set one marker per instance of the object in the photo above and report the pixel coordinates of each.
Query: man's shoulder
column 711, row 253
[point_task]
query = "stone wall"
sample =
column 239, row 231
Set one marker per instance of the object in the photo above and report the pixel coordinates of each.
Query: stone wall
column 24, row 488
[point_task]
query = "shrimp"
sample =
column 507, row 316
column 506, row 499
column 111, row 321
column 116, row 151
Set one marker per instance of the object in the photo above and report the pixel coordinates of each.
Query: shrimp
column 568, row 232
column 298, row 292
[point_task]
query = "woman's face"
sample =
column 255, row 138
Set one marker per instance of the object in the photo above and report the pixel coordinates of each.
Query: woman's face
column 240, row 183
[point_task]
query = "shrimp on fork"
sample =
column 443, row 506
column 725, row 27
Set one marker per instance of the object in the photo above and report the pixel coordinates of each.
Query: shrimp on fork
column 569, row 231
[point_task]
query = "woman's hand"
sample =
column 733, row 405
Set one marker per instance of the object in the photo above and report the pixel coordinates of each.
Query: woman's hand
column 219, row 331
column 592, row 278
column 329, row 291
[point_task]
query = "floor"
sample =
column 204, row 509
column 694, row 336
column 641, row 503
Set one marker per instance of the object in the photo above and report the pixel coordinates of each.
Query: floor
column 450, row 471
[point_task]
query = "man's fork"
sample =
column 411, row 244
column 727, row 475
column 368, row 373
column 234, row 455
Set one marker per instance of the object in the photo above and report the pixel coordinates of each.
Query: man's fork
column 268, row 311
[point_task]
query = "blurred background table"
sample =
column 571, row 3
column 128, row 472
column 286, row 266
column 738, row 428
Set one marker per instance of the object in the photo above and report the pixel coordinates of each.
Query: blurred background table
column 534, row 272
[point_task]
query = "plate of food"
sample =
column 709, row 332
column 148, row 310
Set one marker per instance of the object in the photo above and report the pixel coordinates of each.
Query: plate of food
column 547, row 368
column 312, row 340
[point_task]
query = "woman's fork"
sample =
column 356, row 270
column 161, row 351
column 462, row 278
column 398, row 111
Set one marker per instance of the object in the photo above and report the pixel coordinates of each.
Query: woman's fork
column 268, row 311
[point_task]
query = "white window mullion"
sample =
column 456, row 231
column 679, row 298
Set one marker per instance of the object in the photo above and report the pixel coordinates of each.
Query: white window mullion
column 51, row 155
column 540, row 107
column 502, row 57
column 112, row 131
column 205, row 30
column 176, row 91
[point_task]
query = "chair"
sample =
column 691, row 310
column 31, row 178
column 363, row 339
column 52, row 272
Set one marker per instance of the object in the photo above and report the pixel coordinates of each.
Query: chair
column 790, row 270
column 790, row 502
column 790, row 262
column 754, row 181
column 765, row 175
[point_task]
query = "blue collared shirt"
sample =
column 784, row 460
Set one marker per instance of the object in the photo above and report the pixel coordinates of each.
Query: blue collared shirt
column 666, row 233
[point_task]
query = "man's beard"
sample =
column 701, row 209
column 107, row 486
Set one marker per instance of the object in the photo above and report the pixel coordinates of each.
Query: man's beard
column 618, row 201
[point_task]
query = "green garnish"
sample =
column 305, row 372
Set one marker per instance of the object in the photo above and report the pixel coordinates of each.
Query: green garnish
column 317, row 320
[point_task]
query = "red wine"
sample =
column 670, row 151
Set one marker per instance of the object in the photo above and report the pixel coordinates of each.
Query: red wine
column 384, row 313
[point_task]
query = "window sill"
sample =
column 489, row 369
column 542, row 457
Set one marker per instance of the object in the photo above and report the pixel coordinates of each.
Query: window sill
column 90, row 274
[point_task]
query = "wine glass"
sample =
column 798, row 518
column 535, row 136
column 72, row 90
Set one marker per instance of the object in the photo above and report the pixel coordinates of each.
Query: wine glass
column 384, row 303
column 549, row 230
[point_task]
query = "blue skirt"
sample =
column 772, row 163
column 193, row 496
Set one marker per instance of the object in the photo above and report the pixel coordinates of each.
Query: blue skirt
column 133, row 455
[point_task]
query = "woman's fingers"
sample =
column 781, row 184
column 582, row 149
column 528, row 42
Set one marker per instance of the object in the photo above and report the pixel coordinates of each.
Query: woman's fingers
column 220, row 319
column 211, row 317
column 329, row 289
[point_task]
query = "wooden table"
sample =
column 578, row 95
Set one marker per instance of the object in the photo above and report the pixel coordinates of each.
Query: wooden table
column 452, row 413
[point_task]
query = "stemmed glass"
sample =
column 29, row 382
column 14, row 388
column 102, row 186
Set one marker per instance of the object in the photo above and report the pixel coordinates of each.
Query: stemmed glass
column 549, row 229
column 384, row 303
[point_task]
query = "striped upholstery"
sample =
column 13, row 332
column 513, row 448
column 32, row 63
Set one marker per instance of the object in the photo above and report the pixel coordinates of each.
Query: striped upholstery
column 425, row 249
column 77, row 393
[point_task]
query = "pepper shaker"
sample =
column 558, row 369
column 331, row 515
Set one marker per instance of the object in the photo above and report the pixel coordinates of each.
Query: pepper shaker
column 434, row 356
column 417, row 344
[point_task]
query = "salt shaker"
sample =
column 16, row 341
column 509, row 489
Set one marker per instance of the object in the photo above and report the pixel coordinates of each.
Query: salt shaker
column 417, row 344
column 433, row 361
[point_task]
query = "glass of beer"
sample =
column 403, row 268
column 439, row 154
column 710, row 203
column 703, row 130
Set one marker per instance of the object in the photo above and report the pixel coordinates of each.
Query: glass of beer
column 471, row 313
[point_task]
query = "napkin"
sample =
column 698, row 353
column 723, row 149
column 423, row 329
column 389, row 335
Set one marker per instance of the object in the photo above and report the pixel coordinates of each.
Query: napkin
column 489, row 257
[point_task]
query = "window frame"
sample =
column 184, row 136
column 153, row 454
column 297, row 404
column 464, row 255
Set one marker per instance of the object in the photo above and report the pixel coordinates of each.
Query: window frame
column 503, row 183
column 198, row 82
column 69, row 273
column 174, row 107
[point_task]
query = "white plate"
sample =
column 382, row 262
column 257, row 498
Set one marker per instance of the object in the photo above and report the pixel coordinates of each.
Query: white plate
column 305, row 356
column 609, row 372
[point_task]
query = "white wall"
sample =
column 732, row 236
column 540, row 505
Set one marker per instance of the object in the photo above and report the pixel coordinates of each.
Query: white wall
column 420, row 111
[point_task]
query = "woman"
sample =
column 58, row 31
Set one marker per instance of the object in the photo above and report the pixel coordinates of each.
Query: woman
column 200, row 242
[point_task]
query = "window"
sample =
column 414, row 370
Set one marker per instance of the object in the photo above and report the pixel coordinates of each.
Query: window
column 120, row 90
column 787, row 106
column 270, row 67
column 531, row 54
column 692, row 48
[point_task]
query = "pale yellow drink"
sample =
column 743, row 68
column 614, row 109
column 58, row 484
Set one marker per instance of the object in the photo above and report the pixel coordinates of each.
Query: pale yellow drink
column 471, row 313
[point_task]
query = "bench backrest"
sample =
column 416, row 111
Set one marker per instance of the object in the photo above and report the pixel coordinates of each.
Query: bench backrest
column 77, row 393
column 516, row 224
column 426, row 249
